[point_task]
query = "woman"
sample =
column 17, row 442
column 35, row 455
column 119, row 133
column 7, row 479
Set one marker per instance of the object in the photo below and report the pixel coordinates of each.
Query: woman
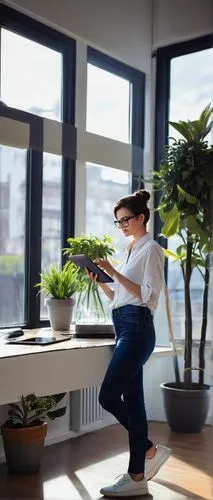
column 137, row 285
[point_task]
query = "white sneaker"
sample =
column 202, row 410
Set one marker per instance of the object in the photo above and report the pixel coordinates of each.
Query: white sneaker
column 153, row 465
column 126, row 487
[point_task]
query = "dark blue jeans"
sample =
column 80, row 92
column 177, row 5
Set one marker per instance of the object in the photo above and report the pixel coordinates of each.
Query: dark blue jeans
column 122, row 389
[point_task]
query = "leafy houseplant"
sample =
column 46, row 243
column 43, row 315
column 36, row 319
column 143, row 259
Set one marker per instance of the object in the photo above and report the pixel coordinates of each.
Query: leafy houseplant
column 185, row 182
column 25, row 430
column 59, row 286
column 89, row 297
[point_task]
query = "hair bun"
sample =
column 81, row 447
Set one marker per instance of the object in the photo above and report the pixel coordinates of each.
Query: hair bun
column 144, row 195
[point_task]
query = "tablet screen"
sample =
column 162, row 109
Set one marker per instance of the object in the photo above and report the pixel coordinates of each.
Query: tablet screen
column 83, row 261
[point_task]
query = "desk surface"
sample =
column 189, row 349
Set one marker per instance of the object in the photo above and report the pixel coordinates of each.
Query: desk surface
column 14, row 350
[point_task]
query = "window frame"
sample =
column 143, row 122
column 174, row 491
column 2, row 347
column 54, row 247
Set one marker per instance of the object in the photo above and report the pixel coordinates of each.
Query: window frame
column 38, row 32
column 137, row 80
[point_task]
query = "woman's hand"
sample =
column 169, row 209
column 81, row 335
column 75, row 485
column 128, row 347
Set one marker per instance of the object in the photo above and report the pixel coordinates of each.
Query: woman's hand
column 91, row 275
column 105, row 265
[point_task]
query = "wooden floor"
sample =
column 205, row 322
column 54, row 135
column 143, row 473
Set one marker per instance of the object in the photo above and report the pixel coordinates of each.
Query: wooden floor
column 76, row 469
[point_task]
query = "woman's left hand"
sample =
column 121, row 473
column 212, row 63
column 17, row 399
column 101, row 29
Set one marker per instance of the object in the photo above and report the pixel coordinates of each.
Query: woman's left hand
column 105, row 265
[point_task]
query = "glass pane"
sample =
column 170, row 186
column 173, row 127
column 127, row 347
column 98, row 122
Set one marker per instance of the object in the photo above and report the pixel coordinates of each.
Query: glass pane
column 12, row 234
column 51, row 215
column 191, row 91
column 108, row 104
column 31, row 76
column 109, row 185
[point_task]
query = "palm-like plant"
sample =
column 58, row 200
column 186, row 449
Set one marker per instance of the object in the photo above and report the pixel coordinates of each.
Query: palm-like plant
column 93, row 247
column 185, row 181
column 59, row 283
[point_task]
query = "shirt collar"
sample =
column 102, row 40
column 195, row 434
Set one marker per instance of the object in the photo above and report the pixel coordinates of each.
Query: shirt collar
column 146, row 237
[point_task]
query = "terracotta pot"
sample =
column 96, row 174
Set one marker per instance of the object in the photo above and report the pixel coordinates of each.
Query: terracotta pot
column 23, row 447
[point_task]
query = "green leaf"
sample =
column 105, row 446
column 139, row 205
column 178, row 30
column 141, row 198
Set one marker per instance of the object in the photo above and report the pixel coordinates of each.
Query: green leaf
column 171, row 223
column 187, row 196
column 169, row 253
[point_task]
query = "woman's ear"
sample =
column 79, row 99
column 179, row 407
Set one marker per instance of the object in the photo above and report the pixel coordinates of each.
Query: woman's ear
column 142, row 218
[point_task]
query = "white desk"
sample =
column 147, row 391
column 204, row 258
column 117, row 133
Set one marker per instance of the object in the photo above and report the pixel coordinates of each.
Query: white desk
column 61, row 367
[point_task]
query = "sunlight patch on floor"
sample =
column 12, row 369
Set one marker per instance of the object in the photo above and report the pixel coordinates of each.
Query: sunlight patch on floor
column 60, row 487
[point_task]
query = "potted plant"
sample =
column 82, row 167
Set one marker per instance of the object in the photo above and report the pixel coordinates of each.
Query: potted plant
column 25, row 430
column 185, row 182
column 90, row 314
column 59, row 285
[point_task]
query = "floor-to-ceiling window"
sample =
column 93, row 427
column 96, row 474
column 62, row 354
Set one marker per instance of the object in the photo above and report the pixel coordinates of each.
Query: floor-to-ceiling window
column 184, row 88
column 33, row 80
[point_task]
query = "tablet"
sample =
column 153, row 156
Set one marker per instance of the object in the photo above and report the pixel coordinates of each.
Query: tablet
column 83, row 261
column 40, row 340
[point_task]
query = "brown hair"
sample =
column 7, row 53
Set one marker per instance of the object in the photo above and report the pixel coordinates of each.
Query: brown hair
column 135, row 203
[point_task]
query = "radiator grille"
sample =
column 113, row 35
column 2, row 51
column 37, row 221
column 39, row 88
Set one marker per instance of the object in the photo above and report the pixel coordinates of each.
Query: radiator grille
column 85, row 410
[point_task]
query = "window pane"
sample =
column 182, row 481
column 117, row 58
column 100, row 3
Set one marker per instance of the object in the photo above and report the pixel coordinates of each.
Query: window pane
column 191, row 90
column 108, row 104
column 31, row 76
column 12, row 234
column 108, row 185
column 51, row 215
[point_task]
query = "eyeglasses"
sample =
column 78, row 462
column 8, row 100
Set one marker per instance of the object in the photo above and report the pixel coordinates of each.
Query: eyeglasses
column 124, row 221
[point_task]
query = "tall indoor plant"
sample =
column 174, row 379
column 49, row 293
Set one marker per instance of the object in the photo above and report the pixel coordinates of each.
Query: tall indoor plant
column 89, row 298
column 185, row 181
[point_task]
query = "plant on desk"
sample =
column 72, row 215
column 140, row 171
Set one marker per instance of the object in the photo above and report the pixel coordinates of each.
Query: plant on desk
column 89, row 302
column 25, row 430
column 59, row 286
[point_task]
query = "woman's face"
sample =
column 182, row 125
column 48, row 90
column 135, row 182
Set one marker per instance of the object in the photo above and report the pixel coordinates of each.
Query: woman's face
column 130, row 224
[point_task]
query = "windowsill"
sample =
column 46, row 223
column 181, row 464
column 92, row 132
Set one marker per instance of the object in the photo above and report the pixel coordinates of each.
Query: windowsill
column 14, row 350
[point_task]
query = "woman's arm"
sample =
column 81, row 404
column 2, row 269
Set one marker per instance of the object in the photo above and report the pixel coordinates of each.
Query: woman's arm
column 153, row 275
column 106, row 289
column 128, row 284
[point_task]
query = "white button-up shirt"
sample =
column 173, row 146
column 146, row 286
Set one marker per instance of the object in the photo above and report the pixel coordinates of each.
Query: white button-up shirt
column 145, row 267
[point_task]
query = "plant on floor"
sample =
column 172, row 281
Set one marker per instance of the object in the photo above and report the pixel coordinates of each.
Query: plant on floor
column 34, row 410
column 93, row 247
column 25, row 430
column 185, row 182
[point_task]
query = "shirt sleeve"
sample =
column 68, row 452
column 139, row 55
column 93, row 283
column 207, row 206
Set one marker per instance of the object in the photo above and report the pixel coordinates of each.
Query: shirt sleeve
column 153, row 277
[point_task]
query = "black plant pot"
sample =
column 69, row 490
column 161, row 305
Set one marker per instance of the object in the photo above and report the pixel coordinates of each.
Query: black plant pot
column 186, row 410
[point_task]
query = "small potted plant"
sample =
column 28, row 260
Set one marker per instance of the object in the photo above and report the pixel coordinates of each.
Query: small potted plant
column 185, row 181
column 90, row 314
column 59, row 285
column 25, row 430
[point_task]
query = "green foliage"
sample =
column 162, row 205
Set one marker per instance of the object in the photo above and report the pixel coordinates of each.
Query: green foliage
column 33, row 410
column 93, row 247
column 60, row 284
column 185, row 181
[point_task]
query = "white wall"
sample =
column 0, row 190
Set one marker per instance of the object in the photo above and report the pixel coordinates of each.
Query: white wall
column 119, row 27
column 179, row 20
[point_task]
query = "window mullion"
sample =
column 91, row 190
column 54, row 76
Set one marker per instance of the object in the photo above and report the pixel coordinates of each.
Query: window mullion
column 33, row 237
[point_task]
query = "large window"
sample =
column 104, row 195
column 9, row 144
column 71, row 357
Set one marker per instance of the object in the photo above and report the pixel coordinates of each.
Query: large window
column 31, row 75
column 35, row 204
column 182, row 94
column 108, row 185
column 190, row 91
column 13, row 174
column 108, row 98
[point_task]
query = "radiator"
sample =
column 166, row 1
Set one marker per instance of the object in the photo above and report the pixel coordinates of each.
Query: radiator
column 85, row 411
